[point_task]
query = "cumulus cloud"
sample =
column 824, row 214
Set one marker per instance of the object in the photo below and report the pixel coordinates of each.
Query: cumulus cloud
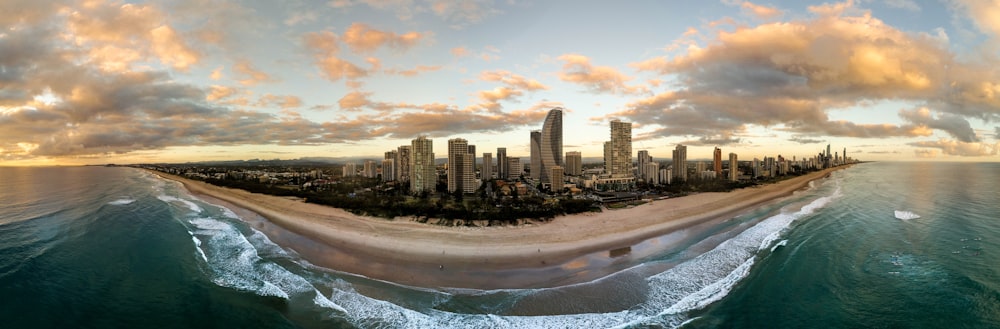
column 954, row 125
column 960, row 148
column 787, row 75
column 118, row 35
column 578, row 69
column 755, row 10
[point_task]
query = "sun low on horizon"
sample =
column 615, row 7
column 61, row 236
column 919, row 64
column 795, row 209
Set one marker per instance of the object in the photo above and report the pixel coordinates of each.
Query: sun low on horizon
column 94, row 82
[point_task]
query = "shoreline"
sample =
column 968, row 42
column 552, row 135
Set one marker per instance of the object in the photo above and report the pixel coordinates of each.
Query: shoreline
column 427, row 255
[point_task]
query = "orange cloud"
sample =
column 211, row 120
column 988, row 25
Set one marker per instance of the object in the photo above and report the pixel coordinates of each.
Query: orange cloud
column 249, row 75
column 577, row 69
column 959, row 148
column 363, row 39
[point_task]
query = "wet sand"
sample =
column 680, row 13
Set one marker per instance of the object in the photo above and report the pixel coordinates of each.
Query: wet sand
column 426, row 255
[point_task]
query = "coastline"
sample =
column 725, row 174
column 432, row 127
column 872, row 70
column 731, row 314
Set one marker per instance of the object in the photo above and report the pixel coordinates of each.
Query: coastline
column 436, row 256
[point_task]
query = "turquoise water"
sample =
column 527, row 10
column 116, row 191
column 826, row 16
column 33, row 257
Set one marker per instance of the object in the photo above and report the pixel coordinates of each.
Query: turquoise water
column 119, row 248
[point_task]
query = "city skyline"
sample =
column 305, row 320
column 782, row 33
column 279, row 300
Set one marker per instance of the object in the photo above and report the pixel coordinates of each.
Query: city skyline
column 177, row 81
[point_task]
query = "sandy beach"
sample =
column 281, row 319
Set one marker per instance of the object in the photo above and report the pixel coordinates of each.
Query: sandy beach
column 410, row 245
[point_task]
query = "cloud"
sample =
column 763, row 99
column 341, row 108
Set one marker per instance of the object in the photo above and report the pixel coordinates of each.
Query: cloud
column 984, row 13
column 280, row 101
column 959, row 148
column 787, row 75
column 250, row 76
column 459, row 52
column 415, row 70
column 954, row 125
column 925, row 153
column 118, row 35
column 362, row 39
column 512, row 80
column 463, row 13
column 804, row 140
column 755, row 10
column 602, row 79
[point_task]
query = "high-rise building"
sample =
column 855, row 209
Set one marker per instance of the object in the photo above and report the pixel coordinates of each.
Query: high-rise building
column 643, row 159
column 487, row 172
column 472, row 150
column 717, row 162
column 388, row 169
column 653, row 173
column 461, row 176
column 734, row 168
column 371, row 169
column 423, row 176
column 551, row 148
column 607, row 158
column 389, row 172
column 502, row 167
column 403, row 163
column 574, row 163
column 680, row 162
column 515, row 167
column 536, row 156
column 619, row 149
column 556, row 175
column 350, row 169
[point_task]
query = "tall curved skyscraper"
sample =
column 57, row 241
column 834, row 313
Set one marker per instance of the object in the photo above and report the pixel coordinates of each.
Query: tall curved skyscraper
column 552, row 143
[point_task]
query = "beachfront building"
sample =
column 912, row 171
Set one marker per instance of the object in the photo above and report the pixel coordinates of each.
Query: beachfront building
column 652, row 173
column 551, row 145
column 403, row 163
column 618, row 151
column 502, row 168
column 574, row 163
column 461, row 176
column 643, row 159
column 734, row 168
column 717, row 162
column 680, row 163
column 423, row 176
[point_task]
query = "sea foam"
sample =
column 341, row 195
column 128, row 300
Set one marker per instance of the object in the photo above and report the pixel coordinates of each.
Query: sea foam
column 121, row 202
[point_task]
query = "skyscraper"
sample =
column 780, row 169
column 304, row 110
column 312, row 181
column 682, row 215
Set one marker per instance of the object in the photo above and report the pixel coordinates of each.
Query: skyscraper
column 487, row 171
column 574, row 163
column 643, row 159
column 536, row 156
column 620, row 149
column 370, row 169
column 403, row 163
column 717, row 162
column 461, row 176
column 472, row 150
column 551, row 149
column 734, row 168
column 680, row 162
column 389, row 168
column 502, row 167
column 423, row 176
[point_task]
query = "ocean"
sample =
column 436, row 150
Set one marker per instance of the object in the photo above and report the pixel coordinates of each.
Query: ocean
column 96, row 247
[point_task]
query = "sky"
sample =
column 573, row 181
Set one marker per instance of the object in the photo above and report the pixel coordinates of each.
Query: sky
column 94, row 81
